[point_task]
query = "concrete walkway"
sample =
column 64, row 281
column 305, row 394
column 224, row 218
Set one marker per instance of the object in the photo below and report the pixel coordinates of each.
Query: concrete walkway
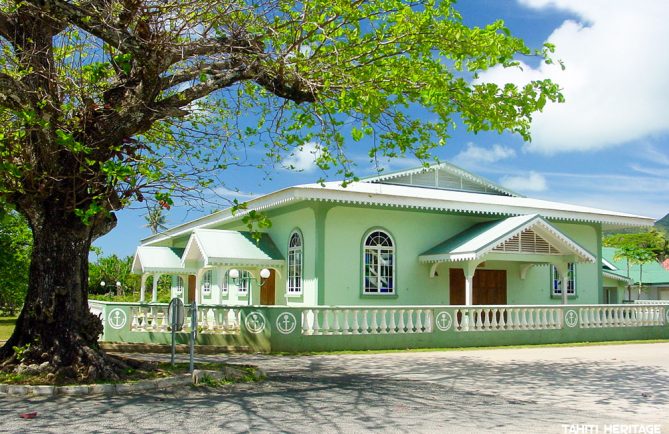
column 558, row 389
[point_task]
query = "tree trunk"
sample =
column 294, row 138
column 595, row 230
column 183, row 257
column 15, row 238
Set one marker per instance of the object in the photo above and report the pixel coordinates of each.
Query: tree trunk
column 55, row 325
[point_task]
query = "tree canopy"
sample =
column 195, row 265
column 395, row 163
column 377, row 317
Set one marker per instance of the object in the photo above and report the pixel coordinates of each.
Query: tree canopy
column 107, row 102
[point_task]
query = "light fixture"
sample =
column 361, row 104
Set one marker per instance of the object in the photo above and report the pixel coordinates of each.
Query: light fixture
column 118, row 284
column 102, row 283
column 234, row 275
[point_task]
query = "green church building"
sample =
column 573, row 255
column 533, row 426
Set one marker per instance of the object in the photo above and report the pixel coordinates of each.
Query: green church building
column 422, row 258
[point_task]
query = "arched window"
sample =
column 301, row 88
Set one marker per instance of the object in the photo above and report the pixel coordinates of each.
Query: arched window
column 295, row 260
column 379, row 264
column 206, row 282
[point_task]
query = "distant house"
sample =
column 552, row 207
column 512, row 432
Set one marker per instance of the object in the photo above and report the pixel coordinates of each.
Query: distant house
column 654, row 277
column 434, row 236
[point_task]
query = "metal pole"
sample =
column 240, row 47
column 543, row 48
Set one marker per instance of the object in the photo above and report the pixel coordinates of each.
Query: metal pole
column 174, row 332
column 193, row 334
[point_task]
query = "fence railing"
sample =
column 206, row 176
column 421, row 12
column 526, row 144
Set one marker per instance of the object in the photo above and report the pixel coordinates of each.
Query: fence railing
column 285, row 328
column 211, row 319
column 366, row 320
column 651, row 301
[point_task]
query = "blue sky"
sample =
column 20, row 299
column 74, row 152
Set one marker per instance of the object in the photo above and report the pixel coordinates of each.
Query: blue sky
column 606, row 147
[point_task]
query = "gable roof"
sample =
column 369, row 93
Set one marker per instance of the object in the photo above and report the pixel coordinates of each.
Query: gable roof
column 483, row 238
column 442, row 176
column 157, row 259
column 221, row 247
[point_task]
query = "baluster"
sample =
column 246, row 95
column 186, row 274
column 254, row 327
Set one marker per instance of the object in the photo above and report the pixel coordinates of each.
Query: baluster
column 419, row 323
column 316, row 324
column 335, row 325
column 305, row 322
column 375, row 326
column 356, row 326
column 134, row 324
column 523, row 320
column 429, row 321
column 486, row 318
column 401, row 327
column 410, row 328
column 162, row 316
column 501, row 324
column 365, row 321
column 530, row 319
column 393, row 327
column 384, row 325
column 347, row 326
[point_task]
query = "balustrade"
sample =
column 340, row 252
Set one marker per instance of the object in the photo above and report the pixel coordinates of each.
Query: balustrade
column 361, row 320
column 211, row 319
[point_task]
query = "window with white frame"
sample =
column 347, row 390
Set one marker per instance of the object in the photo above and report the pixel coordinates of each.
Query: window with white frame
column 556, row 287
column 379, row 264
column 179, row 285
column 206, row 282
column 295, row 260
column 244, row 282
column 225, row 284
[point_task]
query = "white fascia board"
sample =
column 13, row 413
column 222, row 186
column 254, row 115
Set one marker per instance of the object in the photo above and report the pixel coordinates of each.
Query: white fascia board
column 477, row 203
column 137, row 261
column 608, row 264
column 262, row 203
column 193, row 243
column 615, row 276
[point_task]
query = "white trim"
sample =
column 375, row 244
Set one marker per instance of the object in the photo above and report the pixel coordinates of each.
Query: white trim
column 290, row 250
column 614, row 276
column 371, row 194
column 393, row 265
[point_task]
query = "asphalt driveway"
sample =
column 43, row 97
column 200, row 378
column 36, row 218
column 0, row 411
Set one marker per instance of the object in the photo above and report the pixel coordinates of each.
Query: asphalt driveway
column 617, row 388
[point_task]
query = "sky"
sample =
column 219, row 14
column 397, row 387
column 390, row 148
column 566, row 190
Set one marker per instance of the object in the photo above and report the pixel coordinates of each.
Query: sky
column 607, row 146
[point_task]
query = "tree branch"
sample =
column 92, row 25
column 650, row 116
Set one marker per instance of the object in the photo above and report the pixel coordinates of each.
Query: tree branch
column 7, row 27
column 90, row 21
column 13, row 96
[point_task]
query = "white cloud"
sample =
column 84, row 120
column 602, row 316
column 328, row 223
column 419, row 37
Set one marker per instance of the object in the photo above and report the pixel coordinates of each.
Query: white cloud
column 228, row 193
column 474, row 155
column 533, row 181
column 615, row 78
column 303, row 158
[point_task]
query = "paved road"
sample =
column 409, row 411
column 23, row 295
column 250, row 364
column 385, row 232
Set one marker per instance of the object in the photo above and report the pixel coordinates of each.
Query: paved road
column 533, row 390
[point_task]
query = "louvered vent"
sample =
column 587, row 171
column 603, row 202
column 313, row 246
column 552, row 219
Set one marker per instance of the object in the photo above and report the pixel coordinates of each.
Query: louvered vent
column 527, row 242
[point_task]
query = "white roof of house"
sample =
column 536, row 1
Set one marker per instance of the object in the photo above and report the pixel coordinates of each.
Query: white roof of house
column 375, row 193
column 482, row 238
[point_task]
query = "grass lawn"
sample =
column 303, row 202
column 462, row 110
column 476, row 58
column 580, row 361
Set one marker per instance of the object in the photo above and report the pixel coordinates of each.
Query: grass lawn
column 6, row 327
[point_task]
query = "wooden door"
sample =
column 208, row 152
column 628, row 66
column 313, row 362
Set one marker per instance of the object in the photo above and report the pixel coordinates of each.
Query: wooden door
column 489, row 287
column 191, row 289
column 267, row 289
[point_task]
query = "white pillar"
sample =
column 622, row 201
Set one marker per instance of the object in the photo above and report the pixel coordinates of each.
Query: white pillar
column 469, row 289
column 154, row 294
column 198, row 283
column 470, row 270
column 142, row 288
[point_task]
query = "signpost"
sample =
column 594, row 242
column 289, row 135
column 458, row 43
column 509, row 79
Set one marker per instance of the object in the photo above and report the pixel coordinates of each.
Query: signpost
column 175, row 312
column 193, row 334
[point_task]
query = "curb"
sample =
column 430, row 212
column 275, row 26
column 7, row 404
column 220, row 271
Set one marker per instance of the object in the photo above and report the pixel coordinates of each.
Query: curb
column 96, row 389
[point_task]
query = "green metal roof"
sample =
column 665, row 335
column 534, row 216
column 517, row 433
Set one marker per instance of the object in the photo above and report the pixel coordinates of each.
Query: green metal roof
column 157, row 259
column 653, row 273
column 223, row 247
column 480, row 239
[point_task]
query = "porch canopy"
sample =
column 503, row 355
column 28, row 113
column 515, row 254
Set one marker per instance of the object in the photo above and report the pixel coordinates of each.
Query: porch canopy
column 156, row 261
column 232, row 248
column 528, row 239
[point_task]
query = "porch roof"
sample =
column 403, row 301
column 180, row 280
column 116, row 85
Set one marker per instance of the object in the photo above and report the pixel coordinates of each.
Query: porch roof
column 480, row 240
column 157, row 259
column 224, row 247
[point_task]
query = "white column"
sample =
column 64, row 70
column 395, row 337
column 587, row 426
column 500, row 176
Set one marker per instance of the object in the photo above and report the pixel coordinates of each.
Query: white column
column 142, row 288
column 198, row 283
column 469, row 289
column 470, row 269
column 154, row 294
